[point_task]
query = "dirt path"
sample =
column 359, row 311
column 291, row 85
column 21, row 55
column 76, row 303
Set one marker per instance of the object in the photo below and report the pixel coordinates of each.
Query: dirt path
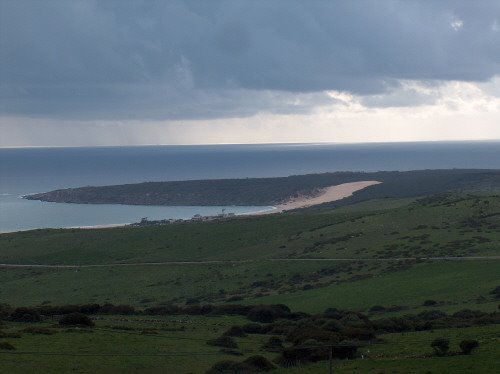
column 230, row 262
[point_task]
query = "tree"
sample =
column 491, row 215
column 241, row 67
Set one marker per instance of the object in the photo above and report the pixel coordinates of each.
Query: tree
column 441, row 346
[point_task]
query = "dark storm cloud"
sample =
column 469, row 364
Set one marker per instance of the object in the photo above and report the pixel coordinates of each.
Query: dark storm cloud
column 205, row 59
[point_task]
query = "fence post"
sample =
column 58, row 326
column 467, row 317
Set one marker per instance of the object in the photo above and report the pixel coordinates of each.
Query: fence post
column 330, row 358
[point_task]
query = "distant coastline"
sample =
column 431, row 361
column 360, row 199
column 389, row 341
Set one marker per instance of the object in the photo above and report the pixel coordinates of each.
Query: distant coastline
column 34, row 170
column 282, row 192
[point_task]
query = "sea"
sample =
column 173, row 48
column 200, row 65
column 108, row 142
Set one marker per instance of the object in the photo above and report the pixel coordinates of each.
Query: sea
column 31, row 170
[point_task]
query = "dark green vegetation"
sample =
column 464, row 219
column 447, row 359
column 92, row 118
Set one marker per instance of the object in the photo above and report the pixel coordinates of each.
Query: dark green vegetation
column 409, row 270
column 221, row 339
column 271, row 191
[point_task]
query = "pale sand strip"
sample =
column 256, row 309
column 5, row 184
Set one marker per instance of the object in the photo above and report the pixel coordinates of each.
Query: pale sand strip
column 326, row 195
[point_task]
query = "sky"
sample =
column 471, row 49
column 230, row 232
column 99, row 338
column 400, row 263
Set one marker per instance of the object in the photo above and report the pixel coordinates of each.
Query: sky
column 132, row 72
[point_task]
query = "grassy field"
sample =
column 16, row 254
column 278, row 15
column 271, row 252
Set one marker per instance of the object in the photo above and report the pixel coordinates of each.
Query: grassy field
column 387, row 244
column 394, row 253
column 129, row 344
column 411, row 353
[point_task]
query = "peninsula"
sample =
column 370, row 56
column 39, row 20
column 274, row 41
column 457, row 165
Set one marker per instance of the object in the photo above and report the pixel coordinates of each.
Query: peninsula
column 284, row 192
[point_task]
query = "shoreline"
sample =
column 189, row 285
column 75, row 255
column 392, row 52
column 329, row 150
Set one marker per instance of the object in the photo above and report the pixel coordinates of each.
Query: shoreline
column 325, row 195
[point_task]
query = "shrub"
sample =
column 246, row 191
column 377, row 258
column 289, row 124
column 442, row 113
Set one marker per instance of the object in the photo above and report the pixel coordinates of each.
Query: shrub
column 377, row 309
column 274, row 343
column 229, row 351
column 116, row 309
column 38, row 331
column 232, row 309
column 496, row 292
column 164, row 310
column 345, row 350
column 234, row 298
column 294, row 356
column 429, row 315
column 260, row 363
column 235, row 331
column 76, row 319
column 252, row 328
column 468, row 345
column 7, row 346
column 469, row 314
column 354, row 319
column 14, row 335
column 253, row 364
column 301, row 334
column 230, row 367
column 332, row 325
column 90, row 308
column 429, row 303
column 441, row 346
column 25, row 315
column 5, row 311
column 265, row 313
column 223, row 341
column 359, row 333
column 333, row 313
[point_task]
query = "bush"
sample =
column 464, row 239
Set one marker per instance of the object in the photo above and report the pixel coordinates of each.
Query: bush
column 332, row 325
column 7, row 346
column 273, row 344
column 116, row 309
column 253, row 328
column 76, row 319
column 235, row 331
column 164, row 310
column 5, row 311
column 229, row 351
column 230, row 367
column 38, row 331
column 496, row 292
column 359, row 333
column 266, row 313
column 345, row 350
column 25, row 315
column 253, row 364
column 301, row 334
column 295, row 356
column 429, row 315
column 223, row 341
column 469, row 314
column 332, row 313
column 260, row 363
column 377, row 309
column 468, row 345
column 441, row 346
column 429, row 303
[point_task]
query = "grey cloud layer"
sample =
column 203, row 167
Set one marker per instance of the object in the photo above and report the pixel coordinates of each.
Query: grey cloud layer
column 205, row 59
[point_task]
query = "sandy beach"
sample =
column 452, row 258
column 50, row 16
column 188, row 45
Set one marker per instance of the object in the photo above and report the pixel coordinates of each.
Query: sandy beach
column 326, row 195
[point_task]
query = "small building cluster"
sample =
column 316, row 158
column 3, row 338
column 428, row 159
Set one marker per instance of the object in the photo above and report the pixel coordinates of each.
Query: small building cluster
column 196, row 218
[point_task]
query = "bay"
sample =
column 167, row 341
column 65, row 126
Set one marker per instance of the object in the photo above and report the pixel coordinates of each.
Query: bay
column 32, row 170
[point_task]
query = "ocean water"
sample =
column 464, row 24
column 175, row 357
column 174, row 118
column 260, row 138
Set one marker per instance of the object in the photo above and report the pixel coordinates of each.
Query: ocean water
column 31, row 170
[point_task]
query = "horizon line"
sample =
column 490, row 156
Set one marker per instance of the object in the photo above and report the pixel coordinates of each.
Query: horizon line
column 263, row 143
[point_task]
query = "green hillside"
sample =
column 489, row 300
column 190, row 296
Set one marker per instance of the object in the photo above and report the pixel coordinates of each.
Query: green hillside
column 271, row 257
column 415, row 268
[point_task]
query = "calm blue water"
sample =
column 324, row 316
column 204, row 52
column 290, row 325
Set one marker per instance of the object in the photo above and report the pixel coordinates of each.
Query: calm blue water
column 31, row 170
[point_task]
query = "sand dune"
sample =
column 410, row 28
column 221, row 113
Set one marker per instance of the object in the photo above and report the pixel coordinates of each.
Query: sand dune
column 326, row 195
